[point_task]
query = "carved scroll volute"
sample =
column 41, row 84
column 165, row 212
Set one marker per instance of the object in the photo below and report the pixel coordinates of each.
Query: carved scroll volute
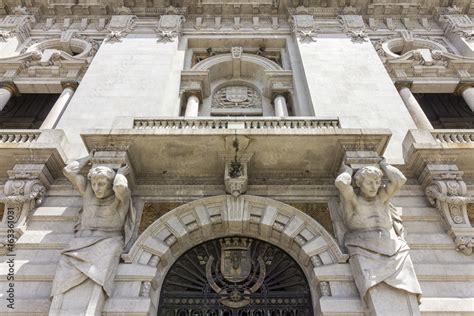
column 449, row 197
column 448, row 193
column 21, row 196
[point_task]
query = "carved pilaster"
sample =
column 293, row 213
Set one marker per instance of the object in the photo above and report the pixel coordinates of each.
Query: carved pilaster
column 120, row 26
column 353, row 26
column 446, row 190
column 304, row 27
column 169, row 27
column 23, row 191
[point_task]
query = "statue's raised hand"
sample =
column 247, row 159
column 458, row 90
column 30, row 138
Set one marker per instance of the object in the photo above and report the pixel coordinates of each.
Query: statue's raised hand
column 124, row 170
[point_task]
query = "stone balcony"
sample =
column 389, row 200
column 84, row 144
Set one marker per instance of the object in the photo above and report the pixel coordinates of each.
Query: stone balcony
column 445, row 146
column 194, row 150
column 46, row 147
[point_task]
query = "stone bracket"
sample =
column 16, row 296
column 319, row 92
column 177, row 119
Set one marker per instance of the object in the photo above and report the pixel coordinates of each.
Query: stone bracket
column 446, row 190
column 23, row 191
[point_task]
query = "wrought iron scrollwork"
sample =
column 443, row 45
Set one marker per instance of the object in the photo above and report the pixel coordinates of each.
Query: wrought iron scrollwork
column 235, row 276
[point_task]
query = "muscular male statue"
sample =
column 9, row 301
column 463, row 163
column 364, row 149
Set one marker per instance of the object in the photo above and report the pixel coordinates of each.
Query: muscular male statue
column 374, row 237
column 107, row 216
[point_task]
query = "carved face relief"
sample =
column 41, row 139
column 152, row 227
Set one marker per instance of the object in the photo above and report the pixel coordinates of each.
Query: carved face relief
column 102, row 186
column 369, row 186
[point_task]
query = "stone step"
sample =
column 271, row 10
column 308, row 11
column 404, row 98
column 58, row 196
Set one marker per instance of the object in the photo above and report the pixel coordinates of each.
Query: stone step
column 43, row 239
column 26, row 307
column 331, row 305
column 127, row 306
column 57, row 214
column 25, row 270
column 427, row 272
column 410, row 201
column 420, row 214
column 446, row 306
column 431, row 227
column 430, row 241
column 439, row 255
column 56, row 227
column 38, row 256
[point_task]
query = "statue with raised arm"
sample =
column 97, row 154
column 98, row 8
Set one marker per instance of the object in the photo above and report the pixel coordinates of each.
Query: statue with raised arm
column 105, row 227
column 374, row 238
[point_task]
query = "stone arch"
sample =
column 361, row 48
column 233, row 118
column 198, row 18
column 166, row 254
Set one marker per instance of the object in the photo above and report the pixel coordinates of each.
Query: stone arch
column 298, row 234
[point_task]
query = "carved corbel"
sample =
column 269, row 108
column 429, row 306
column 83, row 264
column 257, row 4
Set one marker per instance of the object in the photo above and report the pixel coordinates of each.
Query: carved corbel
column 448, row 193
column 169, row 27
column 353, row 26
column 23, row 191
column 120, row 26
column 236, row 164
column 304, row 27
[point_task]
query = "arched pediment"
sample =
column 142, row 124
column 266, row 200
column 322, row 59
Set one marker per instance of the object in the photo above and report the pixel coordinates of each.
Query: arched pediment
column 259, row 61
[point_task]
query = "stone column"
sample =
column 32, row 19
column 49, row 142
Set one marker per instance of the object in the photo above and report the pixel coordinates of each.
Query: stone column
column 59, row 107
column 414, row 107
column 192, row 106
column 6, row 92
column 281, row 109
column 466, row 90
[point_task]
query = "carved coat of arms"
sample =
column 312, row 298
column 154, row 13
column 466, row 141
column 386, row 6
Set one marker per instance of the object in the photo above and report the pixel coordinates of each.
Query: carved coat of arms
column 235, row 263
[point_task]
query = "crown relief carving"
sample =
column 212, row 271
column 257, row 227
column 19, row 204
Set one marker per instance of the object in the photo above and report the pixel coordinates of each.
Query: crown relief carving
column 119, row 27
column 169, row 27
column 304, row 27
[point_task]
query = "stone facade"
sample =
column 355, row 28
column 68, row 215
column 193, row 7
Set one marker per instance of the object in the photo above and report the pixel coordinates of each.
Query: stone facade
column 296, row 127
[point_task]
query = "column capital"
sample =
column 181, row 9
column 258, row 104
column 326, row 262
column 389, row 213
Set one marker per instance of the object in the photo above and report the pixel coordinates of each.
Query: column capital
column 403, row 84
column 462, row 86
column 11, row 87
column 70, row 84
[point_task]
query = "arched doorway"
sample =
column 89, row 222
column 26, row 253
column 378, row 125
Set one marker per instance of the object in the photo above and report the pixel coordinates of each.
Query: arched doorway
column 177, row 232
column 235, row 276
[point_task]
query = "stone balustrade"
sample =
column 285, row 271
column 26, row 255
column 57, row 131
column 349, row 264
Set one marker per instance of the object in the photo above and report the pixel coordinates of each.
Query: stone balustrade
column 231, row 123
column 454, row 136
column 19, row 136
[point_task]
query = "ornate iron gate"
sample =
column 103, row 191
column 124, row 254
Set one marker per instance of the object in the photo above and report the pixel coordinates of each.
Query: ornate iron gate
column 235, row 276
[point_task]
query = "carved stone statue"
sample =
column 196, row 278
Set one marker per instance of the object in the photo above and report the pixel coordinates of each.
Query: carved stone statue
column 374, row 237
column 105, row 227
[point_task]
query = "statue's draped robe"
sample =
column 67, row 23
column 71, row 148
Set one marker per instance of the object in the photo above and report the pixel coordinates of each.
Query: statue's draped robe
column 378, row 256
column 95, row 251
